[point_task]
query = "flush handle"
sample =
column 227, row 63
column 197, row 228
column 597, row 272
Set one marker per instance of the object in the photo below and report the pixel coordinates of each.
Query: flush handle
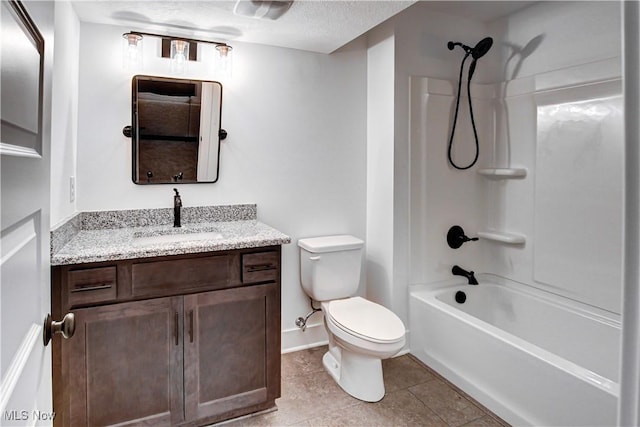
column 66, row 327
column 315, row 258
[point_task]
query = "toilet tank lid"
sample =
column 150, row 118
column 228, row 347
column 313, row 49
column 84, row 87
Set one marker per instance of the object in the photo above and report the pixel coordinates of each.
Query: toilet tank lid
column 330, row 243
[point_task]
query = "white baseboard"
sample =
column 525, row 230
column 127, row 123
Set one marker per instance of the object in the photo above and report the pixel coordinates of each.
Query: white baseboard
column 295, row 339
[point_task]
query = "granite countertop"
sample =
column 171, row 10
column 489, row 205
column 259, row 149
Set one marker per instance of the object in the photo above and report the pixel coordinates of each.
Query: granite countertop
column 115, row 235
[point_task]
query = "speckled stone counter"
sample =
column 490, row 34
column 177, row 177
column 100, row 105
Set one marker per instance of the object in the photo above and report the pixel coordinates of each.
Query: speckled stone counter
column 115, row 235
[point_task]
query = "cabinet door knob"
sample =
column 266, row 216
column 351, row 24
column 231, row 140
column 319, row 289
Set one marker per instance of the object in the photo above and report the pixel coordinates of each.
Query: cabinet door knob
column 66, row 327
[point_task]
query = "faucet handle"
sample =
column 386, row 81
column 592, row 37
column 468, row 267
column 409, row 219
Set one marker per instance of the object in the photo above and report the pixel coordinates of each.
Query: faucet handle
column 456, row 237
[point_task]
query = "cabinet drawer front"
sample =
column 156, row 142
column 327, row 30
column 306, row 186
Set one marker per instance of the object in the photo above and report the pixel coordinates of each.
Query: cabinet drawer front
column 175, row 276
column 260, row 267
column 91, row 286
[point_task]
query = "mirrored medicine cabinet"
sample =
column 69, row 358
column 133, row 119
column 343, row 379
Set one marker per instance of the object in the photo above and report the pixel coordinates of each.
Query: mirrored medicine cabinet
column 175, row 130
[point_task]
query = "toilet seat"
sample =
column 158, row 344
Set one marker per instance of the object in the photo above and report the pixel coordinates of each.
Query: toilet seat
column 366, row 320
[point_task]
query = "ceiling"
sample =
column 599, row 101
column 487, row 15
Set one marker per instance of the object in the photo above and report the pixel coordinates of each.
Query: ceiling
column 313, row 25
column 317, row 26
column 485, row 11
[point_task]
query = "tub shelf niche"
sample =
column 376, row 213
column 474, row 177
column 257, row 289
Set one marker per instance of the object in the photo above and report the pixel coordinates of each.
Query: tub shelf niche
column 503, row 173
column 503, row 237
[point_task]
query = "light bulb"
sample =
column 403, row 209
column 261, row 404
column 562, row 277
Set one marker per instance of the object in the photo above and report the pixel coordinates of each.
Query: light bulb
column 224, row 61
column 131, row 51
column 179, row 55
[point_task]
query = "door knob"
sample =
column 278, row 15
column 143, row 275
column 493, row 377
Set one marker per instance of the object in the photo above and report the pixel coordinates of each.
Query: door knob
column 66, row 327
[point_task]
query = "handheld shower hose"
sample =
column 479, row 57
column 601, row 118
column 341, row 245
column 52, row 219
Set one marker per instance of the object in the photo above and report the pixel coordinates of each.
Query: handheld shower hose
column 476, row 52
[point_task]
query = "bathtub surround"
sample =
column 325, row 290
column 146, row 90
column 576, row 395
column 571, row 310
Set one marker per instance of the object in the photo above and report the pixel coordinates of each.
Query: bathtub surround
column 558, row 227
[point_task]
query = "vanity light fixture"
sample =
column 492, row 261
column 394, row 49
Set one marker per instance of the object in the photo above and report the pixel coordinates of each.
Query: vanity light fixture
column 179, row 50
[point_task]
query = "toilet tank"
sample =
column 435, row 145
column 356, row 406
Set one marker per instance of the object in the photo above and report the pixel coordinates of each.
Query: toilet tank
column 330, row 266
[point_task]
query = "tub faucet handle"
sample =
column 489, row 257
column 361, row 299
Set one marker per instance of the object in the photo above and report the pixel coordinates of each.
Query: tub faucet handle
column 456, row 237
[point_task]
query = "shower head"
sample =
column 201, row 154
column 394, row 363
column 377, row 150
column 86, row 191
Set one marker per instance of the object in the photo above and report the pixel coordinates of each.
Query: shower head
column 480, row 49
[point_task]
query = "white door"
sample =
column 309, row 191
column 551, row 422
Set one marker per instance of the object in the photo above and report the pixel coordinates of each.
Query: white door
column 25, row 92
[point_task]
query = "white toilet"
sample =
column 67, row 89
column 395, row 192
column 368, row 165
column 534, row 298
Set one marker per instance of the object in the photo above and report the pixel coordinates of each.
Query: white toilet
column 361, row 333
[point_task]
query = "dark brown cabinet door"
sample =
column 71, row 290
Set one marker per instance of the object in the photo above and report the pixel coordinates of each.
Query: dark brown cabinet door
column 125, row 364
column 232, row 351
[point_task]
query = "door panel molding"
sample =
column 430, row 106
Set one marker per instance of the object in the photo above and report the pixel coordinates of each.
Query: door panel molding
column 18, row 364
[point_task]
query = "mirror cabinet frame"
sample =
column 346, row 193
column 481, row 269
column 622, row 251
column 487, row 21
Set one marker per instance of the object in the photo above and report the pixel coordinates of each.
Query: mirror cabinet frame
column 133, row 132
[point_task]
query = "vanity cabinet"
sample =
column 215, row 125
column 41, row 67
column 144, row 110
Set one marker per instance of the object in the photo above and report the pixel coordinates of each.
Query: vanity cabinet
column 177, row 340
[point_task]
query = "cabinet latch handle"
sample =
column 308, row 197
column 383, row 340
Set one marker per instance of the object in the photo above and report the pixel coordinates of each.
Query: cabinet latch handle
column 177, row 331
column 191, row 326
column 260, row 267
column 84, row 288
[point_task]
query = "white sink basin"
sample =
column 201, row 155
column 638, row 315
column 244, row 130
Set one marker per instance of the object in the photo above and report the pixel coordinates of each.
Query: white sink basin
column 175, row 238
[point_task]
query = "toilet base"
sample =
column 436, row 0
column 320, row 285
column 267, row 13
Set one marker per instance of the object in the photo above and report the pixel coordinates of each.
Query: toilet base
column 357, row 374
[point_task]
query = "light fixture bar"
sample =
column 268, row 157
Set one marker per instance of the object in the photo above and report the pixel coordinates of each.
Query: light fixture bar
column 187, row 39
column 180, row 50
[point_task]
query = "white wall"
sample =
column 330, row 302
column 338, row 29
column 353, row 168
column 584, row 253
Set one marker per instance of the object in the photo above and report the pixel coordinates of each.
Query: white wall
column 380, row 168
column 571, row 33
column 64, row 125
column 296, row 144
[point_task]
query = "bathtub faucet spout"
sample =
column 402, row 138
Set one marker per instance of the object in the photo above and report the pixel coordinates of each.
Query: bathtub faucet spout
column 457, row 271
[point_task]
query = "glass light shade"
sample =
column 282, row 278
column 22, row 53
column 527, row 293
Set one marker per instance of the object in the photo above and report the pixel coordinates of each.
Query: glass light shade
column 179, row 56
column 131, row 51
column 224, row 61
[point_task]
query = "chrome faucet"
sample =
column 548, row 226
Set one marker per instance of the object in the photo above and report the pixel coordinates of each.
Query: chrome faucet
column 177, row 204
column 457, row 271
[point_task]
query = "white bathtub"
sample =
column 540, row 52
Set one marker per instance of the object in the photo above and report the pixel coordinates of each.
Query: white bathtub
column 531, row 357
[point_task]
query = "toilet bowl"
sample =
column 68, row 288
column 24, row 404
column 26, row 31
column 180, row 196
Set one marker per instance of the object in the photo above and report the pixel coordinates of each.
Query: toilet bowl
column 361, row 333
column 365, row 326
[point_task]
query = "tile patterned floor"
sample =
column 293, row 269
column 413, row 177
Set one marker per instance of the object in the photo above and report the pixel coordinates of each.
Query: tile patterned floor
column 415, row 396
